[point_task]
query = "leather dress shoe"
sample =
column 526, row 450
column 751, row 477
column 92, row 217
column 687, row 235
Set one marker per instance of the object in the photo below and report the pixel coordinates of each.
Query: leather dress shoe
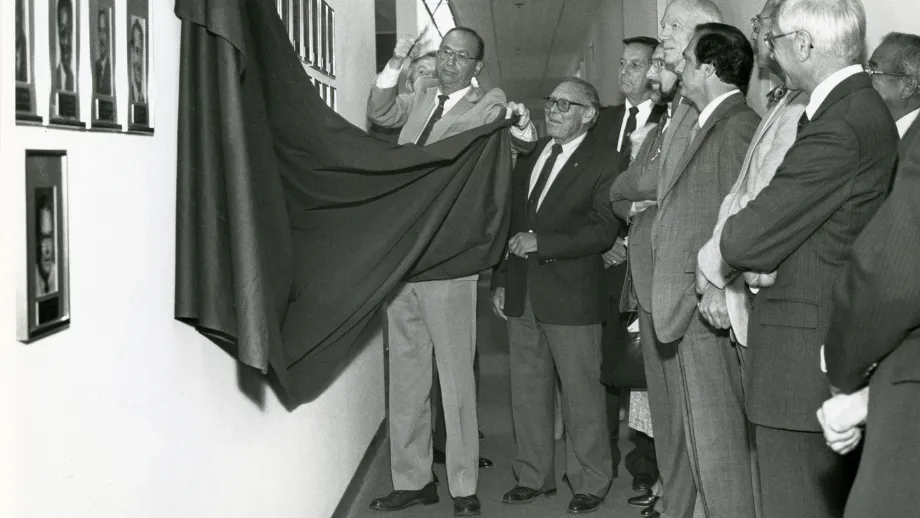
column 467, row 506
column 650, row 512
column 582, row 503
column 644, row 500
column 439, row 457
column 523, row 495
column 642, row 484
column 401, row 499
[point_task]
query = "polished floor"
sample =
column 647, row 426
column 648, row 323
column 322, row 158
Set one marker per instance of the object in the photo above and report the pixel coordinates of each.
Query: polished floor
column 498, row 445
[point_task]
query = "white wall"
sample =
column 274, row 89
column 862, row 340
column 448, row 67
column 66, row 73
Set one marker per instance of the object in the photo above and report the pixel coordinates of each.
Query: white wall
column 129, row 413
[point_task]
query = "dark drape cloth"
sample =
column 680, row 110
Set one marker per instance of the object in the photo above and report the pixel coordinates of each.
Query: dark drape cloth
column 294, row 225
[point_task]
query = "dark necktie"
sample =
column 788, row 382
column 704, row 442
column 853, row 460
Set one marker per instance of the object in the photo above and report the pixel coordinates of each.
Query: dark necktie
column 435, row 117
column 534, row 199
column 803, row 121
column 659, row 140
column 626, row 146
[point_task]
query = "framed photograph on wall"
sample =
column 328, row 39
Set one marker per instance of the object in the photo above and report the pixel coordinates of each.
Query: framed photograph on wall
column 316, row 36
column 140, row 113
column 324, row 29
column 330, row 41
column 45, row 305
column 332, row 102
column 308, row 30
column 25, row 63
column 64, row 53
column 102, row 55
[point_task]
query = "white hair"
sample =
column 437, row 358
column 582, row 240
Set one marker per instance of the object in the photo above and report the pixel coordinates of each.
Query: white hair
column 704, row 11
column 837, row 27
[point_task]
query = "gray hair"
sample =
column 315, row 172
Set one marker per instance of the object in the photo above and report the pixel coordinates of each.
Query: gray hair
column 588, row 90
column 906, row 59
column 704, row 11
column 837, row 27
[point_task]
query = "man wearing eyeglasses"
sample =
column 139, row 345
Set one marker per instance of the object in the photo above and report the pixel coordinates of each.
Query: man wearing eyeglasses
column 802, row 226
column 437, row 317
column 550, row 288
column 895, row 71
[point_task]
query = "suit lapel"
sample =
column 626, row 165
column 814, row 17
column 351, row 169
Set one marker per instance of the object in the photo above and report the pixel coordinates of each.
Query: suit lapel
column 720, row 113
column 855, row 82
column 909, row 137
column 456, row 111
column 418, row 118
column 569, row 172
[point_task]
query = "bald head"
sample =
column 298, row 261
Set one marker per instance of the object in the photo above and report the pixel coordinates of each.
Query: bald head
column 679, row 23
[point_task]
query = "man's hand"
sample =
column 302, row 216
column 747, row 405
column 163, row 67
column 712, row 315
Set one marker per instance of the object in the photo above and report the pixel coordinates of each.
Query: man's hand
column 616, row 254
column 498, row 302
column 513, row 108
column 401, row 51
column 523, row 243
column 701, row 281
column 840, row 418
column 840, row 442
column 759, row 280
column 714, row 309
column 637, row 137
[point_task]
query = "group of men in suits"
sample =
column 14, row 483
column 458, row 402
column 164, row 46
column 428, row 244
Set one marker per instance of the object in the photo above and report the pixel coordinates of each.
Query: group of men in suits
column 752, row 244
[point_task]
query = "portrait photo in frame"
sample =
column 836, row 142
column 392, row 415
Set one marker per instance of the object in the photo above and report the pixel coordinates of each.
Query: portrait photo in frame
column 64, row 53
column 25, row 63
column 45, row 305
column 140, row 112
column 102, row 55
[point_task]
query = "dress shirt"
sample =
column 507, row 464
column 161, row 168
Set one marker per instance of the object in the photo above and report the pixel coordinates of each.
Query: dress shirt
column 824, row 88
column 906, row 121
column 567, row 150
column 711, row 107
column 389, row 78
column 645, row 110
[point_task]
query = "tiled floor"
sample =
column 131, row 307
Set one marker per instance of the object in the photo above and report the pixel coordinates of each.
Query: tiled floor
column 495, row 422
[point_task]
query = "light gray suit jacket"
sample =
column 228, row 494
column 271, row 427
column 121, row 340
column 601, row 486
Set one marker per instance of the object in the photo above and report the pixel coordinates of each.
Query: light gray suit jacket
column 688, row 206
column 773, row 138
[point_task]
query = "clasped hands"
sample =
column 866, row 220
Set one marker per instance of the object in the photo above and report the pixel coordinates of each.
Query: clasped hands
column 712, row 304
column 523, row 243
column 616, row 254
column 841, row 418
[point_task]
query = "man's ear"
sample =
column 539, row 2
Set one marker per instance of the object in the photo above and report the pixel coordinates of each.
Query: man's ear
column 910, row 86
column 589, row 115
column 478, row 68
column 803, row 45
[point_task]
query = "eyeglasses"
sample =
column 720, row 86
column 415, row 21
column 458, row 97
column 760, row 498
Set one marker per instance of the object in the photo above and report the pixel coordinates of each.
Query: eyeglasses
column 658, row 63
column 562, row 105
column 757, row 22
column 462, row 57
column 869, row 69
column 771, row 38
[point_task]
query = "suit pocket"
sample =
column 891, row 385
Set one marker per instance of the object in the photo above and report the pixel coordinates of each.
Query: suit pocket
column 789, row 313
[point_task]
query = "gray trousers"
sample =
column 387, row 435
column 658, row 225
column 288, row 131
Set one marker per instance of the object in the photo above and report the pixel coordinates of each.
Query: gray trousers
column 425, row 318
column 538, row 351
column 715, row 425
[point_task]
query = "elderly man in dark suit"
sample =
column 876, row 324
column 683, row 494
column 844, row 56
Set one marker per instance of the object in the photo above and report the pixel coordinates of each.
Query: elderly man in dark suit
column 802, row 226
column 874, row 332
column 551, row 289
column 895, row 71
column 613, row 128
column 436, row 317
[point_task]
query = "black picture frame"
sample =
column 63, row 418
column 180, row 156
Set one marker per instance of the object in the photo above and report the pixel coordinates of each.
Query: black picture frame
column 24, row 65
column 102, row 56
column 64, row 58
column 140, row 32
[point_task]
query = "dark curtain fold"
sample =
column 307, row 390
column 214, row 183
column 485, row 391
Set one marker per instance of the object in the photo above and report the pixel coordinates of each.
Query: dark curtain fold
column 293, row 225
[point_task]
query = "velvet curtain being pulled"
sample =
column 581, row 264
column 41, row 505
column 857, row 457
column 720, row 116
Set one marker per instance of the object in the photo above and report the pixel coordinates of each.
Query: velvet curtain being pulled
column 293, row 225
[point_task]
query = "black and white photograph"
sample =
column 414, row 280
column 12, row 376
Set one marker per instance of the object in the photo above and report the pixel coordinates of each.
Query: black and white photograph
column 64, row 36
column 25, row 58
column 138, row 41
column 47, row 297
column 102, row 52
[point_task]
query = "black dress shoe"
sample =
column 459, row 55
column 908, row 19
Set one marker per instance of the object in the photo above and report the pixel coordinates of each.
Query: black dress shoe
column 582, row 503
column 643, row 500
column 485, row 463
column 523, row 495
column 402, row 499
column 467, row 506
column 642, row 484
column 650, row 512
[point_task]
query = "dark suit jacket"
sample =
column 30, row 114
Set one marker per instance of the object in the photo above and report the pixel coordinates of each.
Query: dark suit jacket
column 574, row 226
column 688, row 208
column 803, row 225
column 876, row 319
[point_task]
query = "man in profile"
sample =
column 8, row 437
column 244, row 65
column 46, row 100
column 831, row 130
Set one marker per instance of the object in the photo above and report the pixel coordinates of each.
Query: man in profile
column 136, row 54
column 46, row 262
column 895, row 71
column 103, row 61
column 63, row 74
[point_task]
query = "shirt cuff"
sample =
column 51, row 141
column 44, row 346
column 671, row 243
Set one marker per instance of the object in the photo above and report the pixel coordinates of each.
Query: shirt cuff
column 388, row 77
column 528, row 134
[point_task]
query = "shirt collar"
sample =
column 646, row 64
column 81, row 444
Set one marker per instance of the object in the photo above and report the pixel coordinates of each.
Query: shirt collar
column 456, row 96
column 905, row 122
column 569, row 148
column 711, row 107
column 644, row 107
column 825, row 87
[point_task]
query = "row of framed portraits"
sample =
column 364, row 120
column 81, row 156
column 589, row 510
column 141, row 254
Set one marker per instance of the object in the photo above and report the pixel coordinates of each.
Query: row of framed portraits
column 310, row 25
column 326, row 92
column 63, row 78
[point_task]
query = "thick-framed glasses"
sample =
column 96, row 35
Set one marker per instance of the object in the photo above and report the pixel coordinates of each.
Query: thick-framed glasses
column 462, row 57
column 757, row 22
column 562, row 105
column 658, row 63
column 869, row 69
column 771, row 38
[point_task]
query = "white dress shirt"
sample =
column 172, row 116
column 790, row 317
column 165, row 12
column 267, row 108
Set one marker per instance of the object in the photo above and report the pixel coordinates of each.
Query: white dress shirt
column 567, row 150
column 645, row 110
column 824, row 88
column 711, row 107
column 906, row 121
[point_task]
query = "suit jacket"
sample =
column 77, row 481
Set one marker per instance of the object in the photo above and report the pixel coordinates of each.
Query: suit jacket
column 803, row 225
column 574, row 226
column 639, row 183
column 773, row 138
column 409, row 111
column 688, row 208
column 104, row 77
column 64, row 81
column 606, row 134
